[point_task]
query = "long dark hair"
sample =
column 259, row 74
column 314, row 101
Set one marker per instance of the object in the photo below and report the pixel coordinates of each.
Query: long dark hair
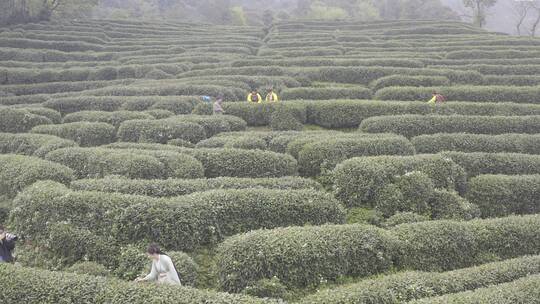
column 154, row 249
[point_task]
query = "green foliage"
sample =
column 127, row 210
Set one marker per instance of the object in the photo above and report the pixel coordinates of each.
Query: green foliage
column 160, row 131
column 30, row 286
column 524, row 290
column 18, row 172
column 207, row 217
column 267, row 288
column 463, row 142
column 446, row 245
column 326, row 93
column 358, row 181
column 112, row 118
column 20, row 120
column 404, row 218
column 495, row 163
column 414, row 125
column 85, row 134
column 397, row 287
column 282, row 119
column 89, row 268
column 176, row 187
column 500, row 195
column 463, row 93
column 310, row 255
column 99, row 162
column 410, row 192
column 32, row 144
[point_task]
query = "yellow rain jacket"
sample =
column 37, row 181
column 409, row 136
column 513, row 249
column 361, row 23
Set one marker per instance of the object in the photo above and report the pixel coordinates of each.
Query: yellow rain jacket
column 254, row 98
column 272, row 97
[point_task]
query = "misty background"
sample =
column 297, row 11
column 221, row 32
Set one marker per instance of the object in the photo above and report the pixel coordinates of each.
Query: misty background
column 508, row 16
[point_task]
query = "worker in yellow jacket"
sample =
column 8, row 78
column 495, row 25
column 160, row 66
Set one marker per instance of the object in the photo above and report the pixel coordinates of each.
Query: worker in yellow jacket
column 271, row 96
column 254, row 97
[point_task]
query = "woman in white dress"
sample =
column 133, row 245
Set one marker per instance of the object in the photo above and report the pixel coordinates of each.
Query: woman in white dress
column 163, row 270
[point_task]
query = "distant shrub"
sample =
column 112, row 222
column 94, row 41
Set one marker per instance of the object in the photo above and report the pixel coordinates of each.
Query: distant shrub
column 112, row 118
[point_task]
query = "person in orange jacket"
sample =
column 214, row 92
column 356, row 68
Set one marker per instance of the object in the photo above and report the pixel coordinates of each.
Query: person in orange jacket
column 254, row 97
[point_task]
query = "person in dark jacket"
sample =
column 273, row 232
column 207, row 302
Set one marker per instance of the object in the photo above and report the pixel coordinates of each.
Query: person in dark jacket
column 7, row 244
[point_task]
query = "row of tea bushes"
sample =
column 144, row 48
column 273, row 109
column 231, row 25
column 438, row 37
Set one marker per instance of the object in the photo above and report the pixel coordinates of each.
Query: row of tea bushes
column 478, row 163
column 395, row 288
column 500, row 195
column 33, row 286
column 306, row 256
column 463, row 142
column 524, row 290
column 314, row 150
column 18, row 172
column 20, row 120
column 85, row 134
column 31, row 144
column 179, row 223
column 350, row 113
column 526, row 94
column 176, row 187
column 113, row 118
column 176, row 104
column 147, row 164
column 358, row 182
column 325, row 93
column 230, row 162
column 414, row 125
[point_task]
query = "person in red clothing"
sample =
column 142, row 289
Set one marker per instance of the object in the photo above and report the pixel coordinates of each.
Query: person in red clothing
column 437, row 98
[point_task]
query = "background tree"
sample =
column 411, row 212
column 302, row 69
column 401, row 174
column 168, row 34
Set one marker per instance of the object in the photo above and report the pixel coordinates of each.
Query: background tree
column 479, row 9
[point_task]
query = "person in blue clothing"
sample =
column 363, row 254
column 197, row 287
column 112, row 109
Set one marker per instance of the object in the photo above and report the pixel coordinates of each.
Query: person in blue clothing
column 7, row 245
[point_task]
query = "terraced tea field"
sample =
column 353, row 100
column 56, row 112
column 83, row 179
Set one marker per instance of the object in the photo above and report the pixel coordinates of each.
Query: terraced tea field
column 351, row 189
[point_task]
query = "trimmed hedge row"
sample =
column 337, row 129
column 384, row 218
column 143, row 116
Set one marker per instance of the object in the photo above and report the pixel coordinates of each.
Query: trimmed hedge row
column 160, row 131
column 396, row 288
column 478, row 163
column 365, row 75
column 230, row 162
column 500, row 195
column 20, row 120
column 53, row 115
column 260, row 114
column 325, row 93
column 525, row 290
column 359, row 181
column 177, row 187
column 180, row 223
column 303, row 256
column 32, row 144
column 86, row 134
column 528, row 94
column 350, row 113
column 17, row 172
column 176, row 104
column 462, row 142
column 414, row 125
column 145, row 164
column 112, row 118
column 325, row 154
column 412, row 81
column 307, row 256
column 33, row 286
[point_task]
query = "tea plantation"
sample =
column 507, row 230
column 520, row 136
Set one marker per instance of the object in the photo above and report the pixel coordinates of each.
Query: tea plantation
column 351, row 189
